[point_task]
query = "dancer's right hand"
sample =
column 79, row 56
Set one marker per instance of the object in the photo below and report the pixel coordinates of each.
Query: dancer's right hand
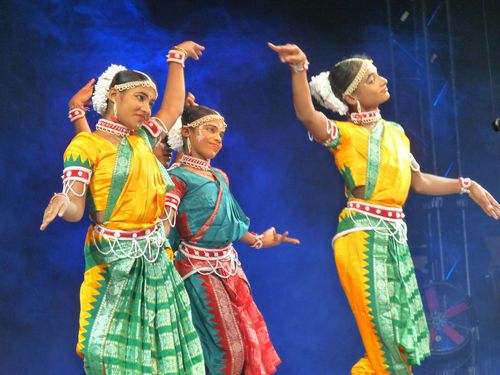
column 82, row 97
column 190, row 100
column 271, row 238
column 192, row 49
column 56, row 207
column 289, row 53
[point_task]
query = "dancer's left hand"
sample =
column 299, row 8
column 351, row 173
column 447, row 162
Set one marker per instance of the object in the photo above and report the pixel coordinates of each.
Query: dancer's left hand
column 272, row 238
column 56, row 208
column 193, row 50
column 484, row 200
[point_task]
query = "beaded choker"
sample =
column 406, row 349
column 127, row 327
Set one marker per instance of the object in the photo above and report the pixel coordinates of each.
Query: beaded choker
column 111, row 127
column 363, row 118
column 203, row 165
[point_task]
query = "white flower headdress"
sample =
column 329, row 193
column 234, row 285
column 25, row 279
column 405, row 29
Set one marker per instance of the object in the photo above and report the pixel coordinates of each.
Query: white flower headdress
column 175, row 140
column 101, row 88
column 322, row 90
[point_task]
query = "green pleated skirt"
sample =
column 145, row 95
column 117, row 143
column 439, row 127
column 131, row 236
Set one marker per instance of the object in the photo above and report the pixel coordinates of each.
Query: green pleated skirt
column 135, row 314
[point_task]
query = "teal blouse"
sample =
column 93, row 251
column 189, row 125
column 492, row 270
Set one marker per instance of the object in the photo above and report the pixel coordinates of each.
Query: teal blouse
column 198, row 200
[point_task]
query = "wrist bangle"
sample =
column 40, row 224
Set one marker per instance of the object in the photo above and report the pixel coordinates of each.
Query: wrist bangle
column 176, row 57
column 258, row 241
column 77, row 113
column 300, row 67
column 465, row 184
column 177, row 48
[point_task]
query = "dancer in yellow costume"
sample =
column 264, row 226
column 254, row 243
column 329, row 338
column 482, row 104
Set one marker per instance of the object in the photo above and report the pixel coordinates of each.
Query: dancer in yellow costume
column 371, row 251
column 135, row 315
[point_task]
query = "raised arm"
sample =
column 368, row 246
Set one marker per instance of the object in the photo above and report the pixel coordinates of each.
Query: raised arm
column 172, row 104
column 313, row 120
column 77, row 107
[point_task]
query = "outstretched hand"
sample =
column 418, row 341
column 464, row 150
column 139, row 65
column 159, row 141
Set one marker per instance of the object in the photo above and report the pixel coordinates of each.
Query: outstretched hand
column 289, row 53
column 192, row 49
column 56, row 207
column 272, row 238
column 485, row 200
column 82, row 97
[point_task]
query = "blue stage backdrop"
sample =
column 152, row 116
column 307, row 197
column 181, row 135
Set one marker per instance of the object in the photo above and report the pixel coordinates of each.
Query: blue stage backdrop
column 51, row 48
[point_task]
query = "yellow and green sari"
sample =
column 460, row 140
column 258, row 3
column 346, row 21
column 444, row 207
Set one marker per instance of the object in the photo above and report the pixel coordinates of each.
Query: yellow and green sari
column 135, row 315
column 371, row 251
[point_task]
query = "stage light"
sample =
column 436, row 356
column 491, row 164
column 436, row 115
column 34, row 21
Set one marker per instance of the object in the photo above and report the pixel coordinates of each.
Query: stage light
column 404, row 16
column 496, row 124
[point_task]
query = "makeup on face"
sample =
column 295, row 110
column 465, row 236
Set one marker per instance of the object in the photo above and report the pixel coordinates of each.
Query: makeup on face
column 373, row 91
column 207, row 140
column 134, row 106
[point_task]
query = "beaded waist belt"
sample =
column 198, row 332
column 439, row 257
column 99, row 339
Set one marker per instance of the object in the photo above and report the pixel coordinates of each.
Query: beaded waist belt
column 132, row 244
column 379, row 212
column 201, row 253
column 381, row 219
column 222, row 261
column 124, row 234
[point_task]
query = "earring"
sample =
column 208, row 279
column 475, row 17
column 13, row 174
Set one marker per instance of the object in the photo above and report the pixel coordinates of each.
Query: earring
column 358, row 105
column 115, row 117
column 188, row 146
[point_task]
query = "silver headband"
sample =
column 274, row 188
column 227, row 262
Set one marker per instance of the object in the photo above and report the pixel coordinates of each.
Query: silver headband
column 132, row 84
column 218, row 120
column 365, row 63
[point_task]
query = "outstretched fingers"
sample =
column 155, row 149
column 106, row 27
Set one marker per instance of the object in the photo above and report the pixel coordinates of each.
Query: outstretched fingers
column 491, row 206
column 280, row 238
column 88, row 90
column 289, row 53
column 291, row 240
column 89, row 84
column 56, row 208
column 198, row 50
